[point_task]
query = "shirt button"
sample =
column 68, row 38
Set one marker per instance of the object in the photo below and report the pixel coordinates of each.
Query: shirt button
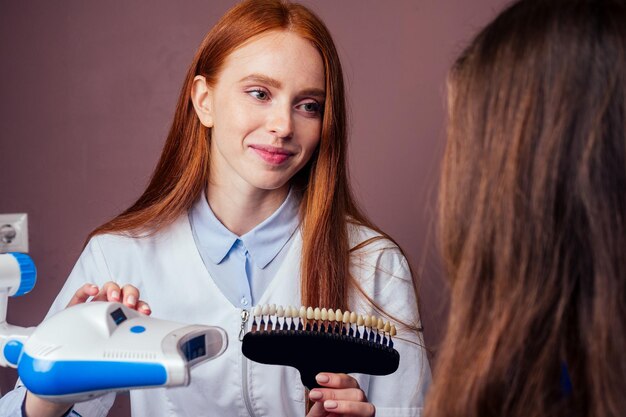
column 244, row 301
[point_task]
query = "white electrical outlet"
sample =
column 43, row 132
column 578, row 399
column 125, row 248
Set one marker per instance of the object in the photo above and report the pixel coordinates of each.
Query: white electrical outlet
column 14, row 232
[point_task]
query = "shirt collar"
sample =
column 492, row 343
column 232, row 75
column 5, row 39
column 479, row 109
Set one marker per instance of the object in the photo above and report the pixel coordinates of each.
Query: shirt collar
column 263, row 242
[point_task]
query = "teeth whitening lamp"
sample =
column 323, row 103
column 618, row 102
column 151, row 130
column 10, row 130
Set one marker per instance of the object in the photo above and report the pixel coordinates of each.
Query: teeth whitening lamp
column 94, row 348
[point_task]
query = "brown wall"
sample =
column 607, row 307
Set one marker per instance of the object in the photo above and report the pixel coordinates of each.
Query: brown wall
column 87, row 92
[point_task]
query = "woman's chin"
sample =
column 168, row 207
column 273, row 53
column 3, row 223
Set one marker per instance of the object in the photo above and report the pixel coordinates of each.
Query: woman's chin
column 269, row 184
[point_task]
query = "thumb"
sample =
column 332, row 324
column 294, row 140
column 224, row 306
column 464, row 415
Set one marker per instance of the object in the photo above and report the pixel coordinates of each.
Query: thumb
column 317, row 410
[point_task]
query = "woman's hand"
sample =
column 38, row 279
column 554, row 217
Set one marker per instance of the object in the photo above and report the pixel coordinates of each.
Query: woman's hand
column 341, row 396
column 128, row 295
column 38, row 407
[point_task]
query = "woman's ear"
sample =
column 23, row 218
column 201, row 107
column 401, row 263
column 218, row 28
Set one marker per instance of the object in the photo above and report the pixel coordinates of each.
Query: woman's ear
column 202, row 98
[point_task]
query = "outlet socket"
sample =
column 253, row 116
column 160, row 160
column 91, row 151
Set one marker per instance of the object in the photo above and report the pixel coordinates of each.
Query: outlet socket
column 14, row 232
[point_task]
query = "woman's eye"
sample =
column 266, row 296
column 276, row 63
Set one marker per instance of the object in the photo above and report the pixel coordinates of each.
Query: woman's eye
column 311, row 107
column 259, row 94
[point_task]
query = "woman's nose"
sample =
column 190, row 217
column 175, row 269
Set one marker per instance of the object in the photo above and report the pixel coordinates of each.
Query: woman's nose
column 279, row 122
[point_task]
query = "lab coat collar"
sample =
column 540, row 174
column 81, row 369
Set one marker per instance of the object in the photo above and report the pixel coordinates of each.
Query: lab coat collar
column 263, row 242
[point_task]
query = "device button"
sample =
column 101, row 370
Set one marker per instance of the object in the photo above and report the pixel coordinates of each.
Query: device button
column 137, row 329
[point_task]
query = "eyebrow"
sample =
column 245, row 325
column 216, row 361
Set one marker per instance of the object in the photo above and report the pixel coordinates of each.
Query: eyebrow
column 272, row 82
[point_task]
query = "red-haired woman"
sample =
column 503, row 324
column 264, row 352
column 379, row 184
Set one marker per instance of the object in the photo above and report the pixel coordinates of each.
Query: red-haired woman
column 250, row 204
column 533, row 216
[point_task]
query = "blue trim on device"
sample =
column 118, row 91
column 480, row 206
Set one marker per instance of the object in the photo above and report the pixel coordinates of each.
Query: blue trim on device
column 43, row 377
column 12, row 351
column 28, row 272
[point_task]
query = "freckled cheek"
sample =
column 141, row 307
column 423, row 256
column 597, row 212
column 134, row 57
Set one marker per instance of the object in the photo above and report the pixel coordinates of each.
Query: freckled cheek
column 310, row 149
column 240, row 118
column 311, row 133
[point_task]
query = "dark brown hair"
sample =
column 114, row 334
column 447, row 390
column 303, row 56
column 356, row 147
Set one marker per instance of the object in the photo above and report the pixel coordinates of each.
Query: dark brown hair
column 533, row 216
column 327, row 203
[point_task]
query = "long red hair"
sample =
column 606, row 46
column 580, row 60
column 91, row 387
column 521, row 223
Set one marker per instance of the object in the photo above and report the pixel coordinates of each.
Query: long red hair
column 183, row 170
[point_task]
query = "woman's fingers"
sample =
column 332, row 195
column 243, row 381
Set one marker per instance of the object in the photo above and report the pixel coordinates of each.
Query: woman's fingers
column 347, row 394
column 83, row 293
column 128, row 294
column 318, row 410
column 350, row 408
column 331, row 380
column 143, row 307
column 340, row 396
column 130, row 297
column 110, row 291
column 325, row 406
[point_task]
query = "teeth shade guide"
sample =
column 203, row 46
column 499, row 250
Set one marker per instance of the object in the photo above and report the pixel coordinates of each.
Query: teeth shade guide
column 320, row 340
column 307, row 317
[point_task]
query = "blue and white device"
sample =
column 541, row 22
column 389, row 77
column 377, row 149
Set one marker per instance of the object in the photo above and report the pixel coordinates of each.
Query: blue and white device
column 90, row 349
column 17, row 277
column 95, row 348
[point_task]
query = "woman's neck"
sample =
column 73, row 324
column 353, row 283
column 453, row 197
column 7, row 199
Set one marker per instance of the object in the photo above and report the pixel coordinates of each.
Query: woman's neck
column 241, row 210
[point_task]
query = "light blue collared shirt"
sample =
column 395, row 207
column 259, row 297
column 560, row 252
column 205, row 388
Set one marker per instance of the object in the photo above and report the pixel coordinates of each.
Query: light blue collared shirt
column 243, row 266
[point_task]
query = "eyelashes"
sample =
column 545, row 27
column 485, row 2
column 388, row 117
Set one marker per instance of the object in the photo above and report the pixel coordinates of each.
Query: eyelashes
column 310, row 107
column 259, row 94
column 272, row 318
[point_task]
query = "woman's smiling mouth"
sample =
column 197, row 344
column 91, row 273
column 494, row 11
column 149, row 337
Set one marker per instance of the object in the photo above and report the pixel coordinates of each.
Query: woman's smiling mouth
column 272, row 154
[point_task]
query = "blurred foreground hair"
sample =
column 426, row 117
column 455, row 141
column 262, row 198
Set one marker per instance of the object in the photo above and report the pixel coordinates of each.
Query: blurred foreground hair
column 533, row 216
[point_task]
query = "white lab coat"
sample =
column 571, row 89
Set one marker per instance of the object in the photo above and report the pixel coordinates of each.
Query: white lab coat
column 169, row 272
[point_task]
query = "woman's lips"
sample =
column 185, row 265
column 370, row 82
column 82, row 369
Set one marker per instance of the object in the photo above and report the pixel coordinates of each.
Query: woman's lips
column 271, row 154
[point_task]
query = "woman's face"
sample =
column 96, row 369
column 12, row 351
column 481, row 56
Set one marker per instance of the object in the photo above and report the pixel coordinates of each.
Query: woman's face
column 265, row 112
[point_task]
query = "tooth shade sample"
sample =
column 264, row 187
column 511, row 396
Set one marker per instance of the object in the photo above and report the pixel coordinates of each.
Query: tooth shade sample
column 353, row 317
column 317, row 314
column 392, row 332
column 324, row 314
column 380, row 324
column 273, row 309
column 257, row 311
column 367, row 321
column 303, row 312
column 387, row 327
column 265, row 310
column 359, row 321
column 309, row 313
column 346, row 317
column 338, row 315
column 331, row 315
column 280, row 311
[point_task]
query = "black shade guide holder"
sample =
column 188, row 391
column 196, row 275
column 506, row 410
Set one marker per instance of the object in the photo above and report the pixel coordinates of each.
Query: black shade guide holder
column 312, row 352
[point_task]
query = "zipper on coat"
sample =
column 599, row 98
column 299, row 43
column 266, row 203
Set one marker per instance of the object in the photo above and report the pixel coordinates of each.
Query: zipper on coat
column 245, row 314
column 244, row 320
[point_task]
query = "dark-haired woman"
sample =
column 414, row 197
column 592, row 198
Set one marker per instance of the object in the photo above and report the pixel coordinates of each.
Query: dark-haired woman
column 533, row 216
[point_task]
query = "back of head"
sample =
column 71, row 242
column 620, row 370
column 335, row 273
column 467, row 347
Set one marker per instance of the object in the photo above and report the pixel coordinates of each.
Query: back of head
column 533, row 216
